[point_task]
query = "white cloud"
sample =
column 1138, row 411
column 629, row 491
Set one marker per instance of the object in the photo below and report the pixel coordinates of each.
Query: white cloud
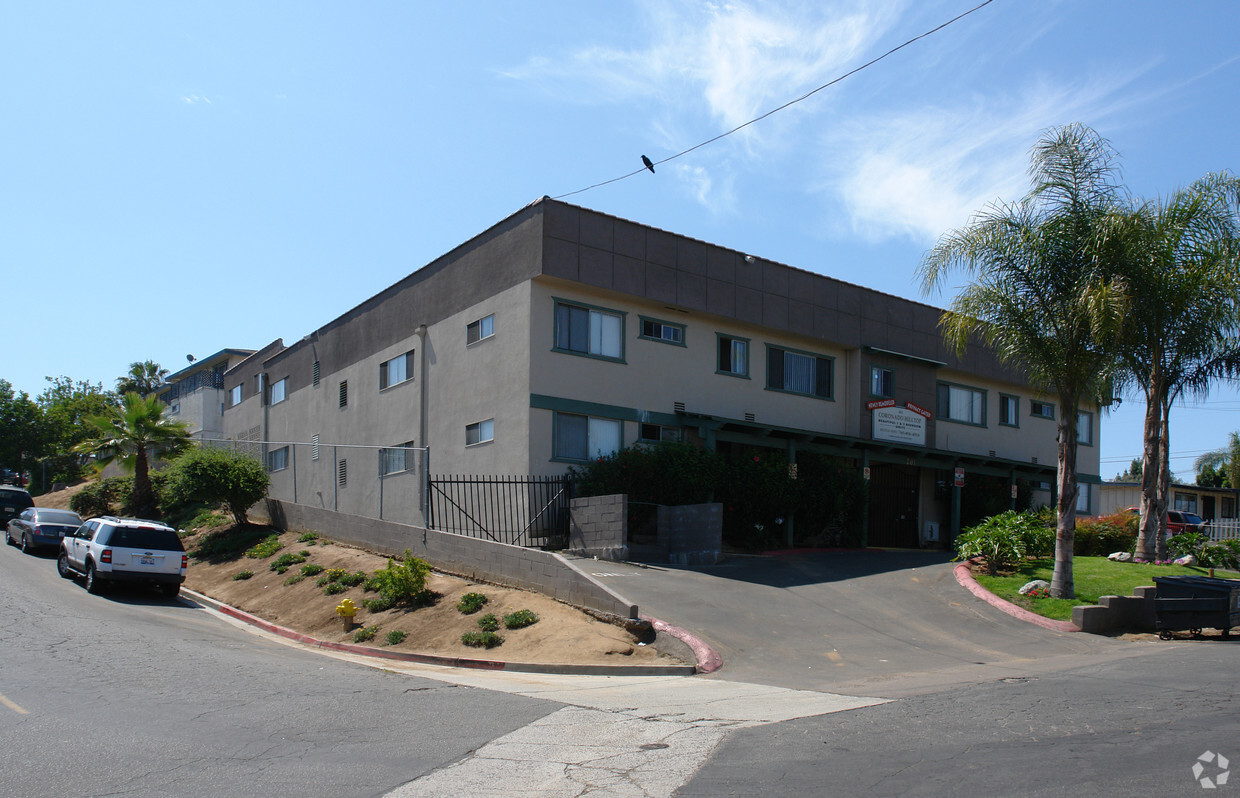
column 916, row 174
column 194, row 99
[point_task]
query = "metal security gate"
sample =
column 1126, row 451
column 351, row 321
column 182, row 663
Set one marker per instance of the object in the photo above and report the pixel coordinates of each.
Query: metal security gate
column 522, row 511
column 893, row 506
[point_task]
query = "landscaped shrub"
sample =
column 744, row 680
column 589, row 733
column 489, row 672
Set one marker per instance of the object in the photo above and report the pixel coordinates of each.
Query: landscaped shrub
column 216, row 476
column 309, row 538
column 1001, row 540
column 100, row 497
column 471, row 603
column 403, row 582
column 520, row 619
column 311, row 569
column 228, row 544
column 481, row 639
column 1098, row 537
column 396, row 637
column 265, row 548
column 365, row 633
column 488, row 622
column 286, row 560
column 240, row 575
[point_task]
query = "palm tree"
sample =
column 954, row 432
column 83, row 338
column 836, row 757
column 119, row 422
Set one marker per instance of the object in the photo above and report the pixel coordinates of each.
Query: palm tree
column 1040, row 296
column 133, row 433
column 1226, row 460
column 142, row 378
column 1180, row 261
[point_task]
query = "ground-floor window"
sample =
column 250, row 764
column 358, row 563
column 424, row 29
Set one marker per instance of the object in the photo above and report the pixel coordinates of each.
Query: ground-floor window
column 1186, row 502
column 585, row 437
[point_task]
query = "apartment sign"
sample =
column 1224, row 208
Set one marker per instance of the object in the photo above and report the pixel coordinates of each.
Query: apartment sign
column 898, row 425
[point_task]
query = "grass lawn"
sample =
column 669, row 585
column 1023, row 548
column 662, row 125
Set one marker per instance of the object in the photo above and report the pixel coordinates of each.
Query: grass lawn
column 1093, row 577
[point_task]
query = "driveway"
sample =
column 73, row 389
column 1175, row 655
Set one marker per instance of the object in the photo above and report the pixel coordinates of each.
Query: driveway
column 886, row 623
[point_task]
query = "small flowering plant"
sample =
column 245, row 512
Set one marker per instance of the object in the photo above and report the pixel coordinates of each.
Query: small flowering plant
column 1039, row 592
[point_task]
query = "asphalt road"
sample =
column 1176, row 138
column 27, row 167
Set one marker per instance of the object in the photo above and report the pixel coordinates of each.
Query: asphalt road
column 129, row 694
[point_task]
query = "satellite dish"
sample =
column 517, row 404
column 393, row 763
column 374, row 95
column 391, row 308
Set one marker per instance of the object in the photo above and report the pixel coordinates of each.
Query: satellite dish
column 190, row 358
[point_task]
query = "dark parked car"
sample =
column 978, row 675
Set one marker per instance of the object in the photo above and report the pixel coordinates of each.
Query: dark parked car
column 39, row 527
column 12, row 501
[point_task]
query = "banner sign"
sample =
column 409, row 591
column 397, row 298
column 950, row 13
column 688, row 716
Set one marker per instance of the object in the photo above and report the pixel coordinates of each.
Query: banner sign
column 899, row 425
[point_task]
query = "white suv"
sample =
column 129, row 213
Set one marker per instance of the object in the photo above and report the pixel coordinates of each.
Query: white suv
column 109, row 549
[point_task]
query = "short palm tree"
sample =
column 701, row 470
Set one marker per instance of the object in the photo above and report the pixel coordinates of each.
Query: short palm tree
column 134, row 433
column 1040, row 296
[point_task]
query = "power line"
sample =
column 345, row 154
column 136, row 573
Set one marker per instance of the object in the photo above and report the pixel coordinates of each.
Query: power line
column 805, row 96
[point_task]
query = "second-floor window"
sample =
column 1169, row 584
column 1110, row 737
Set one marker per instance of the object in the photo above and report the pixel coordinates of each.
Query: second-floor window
column 1042, row 409
column 234, row 398
column 733, row 356
column 589, row 331
column 480, row 330
column 881, row 382
column 1085, row 428
column 481, row 432
column 395, row 371
column 1008, row 408
column 278, row 390
column 958, row 403
column 798, row 372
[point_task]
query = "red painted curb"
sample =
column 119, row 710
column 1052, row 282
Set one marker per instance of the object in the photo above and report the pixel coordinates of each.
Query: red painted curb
column 708, row 660
column 453, row 662
column 965, row 577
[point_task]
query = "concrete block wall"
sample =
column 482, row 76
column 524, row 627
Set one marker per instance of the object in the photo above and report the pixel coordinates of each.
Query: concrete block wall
column 483, row 560
column 692, row 533
column 1113, row 614
column 598, row 526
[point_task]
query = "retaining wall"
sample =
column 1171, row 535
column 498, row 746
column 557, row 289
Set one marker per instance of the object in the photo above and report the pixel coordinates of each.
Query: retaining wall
column 483, row 560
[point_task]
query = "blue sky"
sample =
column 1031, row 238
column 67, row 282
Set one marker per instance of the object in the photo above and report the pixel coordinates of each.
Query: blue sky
column 181, row 178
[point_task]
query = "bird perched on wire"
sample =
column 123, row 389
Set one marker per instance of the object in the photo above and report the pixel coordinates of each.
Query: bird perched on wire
column 648, row 164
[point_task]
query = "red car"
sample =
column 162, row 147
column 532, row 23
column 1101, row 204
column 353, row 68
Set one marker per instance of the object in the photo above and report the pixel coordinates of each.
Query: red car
column 1179, row 521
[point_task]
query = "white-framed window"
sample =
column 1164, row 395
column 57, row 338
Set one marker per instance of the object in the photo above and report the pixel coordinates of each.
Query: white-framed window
column 480, row 330
column 277, row 459
column 480, row 432
column 664, row 331
column 395, row 459
column 585, row 330
column 1041, row 409
column 585, row 437
column 1009, row 408
column 882, row 382
column 733, row 355
column 1085, row 428
column 395, row 371
column 962, row 404
column 234, row 396
column 798, row 372
column 279, row 390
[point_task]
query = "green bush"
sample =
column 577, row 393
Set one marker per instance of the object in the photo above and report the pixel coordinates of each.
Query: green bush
column 332, row 588
column 240, row 575
column 101, row 497
column 396, row 637
column 265, row 547
column 471, row 603
column 1188, row 544
column 1003, row 540
column 481, row 639
column 285, row 561
column 223, row 545
column 403, row 582
column 1098, row 537
column 377, row 604
column 294, row 579
column 520, row 619
column 311, row 569
column 216, row 476
column 1224, row 554
column 488, row 622
column 309, row 538
column 365, row 633
column 353, row 579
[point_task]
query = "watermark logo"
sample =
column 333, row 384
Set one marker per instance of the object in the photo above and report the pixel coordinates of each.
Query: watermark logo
column 1218, row 765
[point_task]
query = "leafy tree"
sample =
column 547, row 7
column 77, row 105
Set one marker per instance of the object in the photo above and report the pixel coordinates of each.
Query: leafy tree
column 142, row 378
column 217, row 476
column 133, row 433
column 1180, row 261
column 21, row 428
column 66, row 405
column 1133, row 474
column 1040, row 296
column 1225, row 462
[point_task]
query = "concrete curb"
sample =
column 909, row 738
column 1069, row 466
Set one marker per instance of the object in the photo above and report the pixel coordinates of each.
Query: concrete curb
column 965, row 577
column 452, row 662
column 708, row 660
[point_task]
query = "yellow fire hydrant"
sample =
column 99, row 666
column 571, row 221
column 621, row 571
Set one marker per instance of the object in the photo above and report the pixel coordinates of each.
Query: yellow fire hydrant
column 346, row 610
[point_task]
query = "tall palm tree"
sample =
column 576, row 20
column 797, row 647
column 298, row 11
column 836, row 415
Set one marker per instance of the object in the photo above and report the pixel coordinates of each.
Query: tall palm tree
column 133, row 433
column 1180, row 262
column 142, row 378
column 1226, row 460
column 1040, row 295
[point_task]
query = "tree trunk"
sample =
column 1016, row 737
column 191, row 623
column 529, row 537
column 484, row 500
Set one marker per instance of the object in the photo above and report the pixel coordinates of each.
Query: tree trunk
column 1164, row 478
column 1147, row 539
column 143, row 494
column 1062, row 585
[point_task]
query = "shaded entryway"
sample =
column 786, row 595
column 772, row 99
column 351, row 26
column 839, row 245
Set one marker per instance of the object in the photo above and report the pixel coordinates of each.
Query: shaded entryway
column 894, row 492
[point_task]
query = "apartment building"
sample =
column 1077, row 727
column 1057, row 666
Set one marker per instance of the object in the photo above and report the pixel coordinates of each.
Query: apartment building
column 561, row 333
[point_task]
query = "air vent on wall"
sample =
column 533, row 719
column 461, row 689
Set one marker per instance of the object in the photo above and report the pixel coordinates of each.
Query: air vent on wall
column 992, row 452
column 679, row 407
column 1034, row 460
column 749, row 416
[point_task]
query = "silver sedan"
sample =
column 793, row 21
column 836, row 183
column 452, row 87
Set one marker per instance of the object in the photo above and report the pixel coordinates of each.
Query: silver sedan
column 41, row 527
